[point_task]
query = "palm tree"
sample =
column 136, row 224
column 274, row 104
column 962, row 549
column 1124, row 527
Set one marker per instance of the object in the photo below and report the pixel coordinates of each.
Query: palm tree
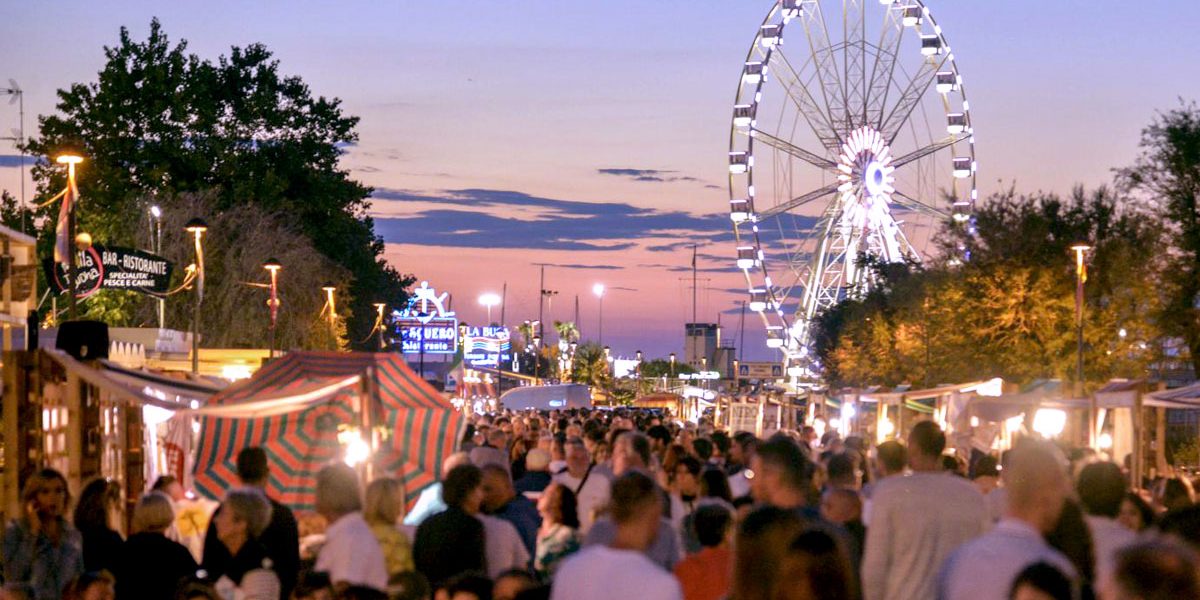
column 567, row 330
column 591, row 366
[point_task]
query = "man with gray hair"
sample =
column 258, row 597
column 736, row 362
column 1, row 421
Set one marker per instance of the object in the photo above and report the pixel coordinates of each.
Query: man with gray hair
column 986, row 567
column 351, row 555
column 239, row 523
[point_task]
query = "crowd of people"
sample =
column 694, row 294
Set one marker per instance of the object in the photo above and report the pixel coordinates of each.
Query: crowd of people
column 582, row 505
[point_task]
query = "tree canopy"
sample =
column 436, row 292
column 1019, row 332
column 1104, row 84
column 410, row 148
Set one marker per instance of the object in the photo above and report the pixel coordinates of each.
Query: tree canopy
column 160, row 124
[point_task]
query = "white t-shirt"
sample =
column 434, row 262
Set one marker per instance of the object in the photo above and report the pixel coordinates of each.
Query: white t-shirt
column 604, row 573
column 502, row 546
column 351, row 554
column 590, row 499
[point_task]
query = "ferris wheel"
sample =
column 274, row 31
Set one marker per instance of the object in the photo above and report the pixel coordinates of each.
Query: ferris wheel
column 851, row 140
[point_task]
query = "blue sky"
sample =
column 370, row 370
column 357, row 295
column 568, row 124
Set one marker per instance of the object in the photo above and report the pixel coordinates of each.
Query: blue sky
column 592, row 135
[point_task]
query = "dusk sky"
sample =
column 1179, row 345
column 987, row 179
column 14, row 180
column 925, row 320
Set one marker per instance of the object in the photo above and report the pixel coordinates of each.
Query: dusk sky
column 593, row 135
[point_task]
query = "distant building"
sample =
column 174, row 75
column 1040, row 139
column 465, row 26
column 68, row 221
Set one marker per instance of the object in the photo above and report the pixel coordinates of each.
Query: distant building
column 700, row 344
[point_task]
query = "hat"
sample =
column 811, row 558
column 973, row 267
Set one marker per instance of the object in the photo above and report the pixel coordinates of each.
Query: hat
column 537, row 460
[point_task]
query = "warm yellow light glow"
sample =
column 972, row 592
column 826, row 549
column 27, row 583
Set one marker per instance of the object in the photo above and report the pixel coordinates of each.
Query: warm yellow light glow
column 356, row 448
column 1049, row 422
column 887, row 427
column 235, row 372
column 1105, row 442
column 69, row 159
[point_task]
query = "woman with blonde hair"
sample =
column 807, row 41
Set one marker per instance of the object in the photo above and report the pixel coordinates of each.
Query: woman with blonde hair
column 152, row 565
column 41, row 548
column 383, row 510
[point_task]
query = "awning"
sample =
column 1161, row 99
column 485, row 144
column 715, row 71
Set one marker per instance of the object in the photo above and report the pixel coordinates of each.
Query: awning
column 1184, row 397
column 131, row 386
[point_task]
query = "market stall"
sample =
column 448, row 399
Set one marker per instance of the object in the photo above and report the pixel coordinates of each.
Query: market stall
column 308, row 409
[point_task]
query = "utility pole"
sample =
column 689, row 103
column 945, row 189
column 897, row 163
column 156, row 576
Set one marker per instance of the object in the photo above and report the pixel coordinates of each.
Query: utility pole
column 18, row 96
column 694, row 287
column 742, row 333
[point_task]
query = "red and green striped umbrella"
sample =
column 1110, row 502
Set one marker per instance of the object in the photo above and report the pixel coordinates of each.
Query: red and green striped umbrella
column 422, row 427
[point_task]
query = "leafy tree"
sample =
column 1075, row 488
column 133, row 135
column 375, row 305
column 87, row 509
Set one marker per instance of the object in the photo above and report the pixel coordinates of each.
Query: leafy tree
column 1009, row 311
column 161, row 121
column 1167, row 174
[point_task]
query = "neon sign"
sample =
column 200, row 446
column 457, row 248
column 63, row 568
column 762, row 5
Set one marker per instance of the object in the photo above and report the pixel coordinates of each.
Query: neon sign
column 486, row 346
column 425, row 325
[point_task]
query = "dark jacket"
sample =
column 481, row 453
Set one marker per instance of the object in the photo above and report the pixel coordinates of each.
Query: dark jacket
column 152, row 567
column 533, row 481
column 449, row 543
column 101, row 548
column 281, row 539
column 252, row 555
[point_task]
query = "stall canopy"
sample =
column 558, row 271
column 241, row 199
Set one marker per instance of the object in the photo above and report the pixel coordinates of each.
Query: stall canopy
column 294, row 408
column 1184, row 397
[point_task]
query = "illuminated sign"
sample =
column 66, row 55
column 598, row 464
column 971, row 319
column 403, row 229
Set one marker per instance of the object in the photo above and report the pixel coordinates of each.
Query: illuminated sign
column 486, row 346
column 438, row 336
column 701, row 375
column 426, row 325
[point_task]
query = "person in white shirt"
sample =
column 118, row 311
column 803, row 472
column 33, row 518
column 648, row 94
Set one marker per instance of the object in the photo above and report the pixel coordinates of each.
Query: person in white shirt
column 1101, row 489
column 350, row 555
column 586, row 480
column 917, row 521
column 503, row 546
column 621, row 570
column 985, row 568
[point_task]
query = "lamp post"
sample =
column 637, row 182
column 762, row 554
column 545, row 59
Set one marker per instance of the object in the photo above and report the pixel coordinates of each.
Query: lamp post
column 197, row 227
column 1080, row 277
column 329, row 289
column 598, row 289
column 379, row 306
column 156, row 219
column 672, row 365
column 68, row 210
column 637, row 393
column 489, row 299
column 273, row 267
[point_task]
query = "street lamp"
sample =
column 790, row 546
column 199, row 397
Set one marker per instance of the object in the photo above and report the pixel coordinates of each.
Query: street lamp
column 197, row 227
column 489, row 299
column 379, row 307
column 273, row 267
column 329, row 289
column 672, row 365
column 66, row 217
column 1080, row 277
column 156, row 234
column 598, row 289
